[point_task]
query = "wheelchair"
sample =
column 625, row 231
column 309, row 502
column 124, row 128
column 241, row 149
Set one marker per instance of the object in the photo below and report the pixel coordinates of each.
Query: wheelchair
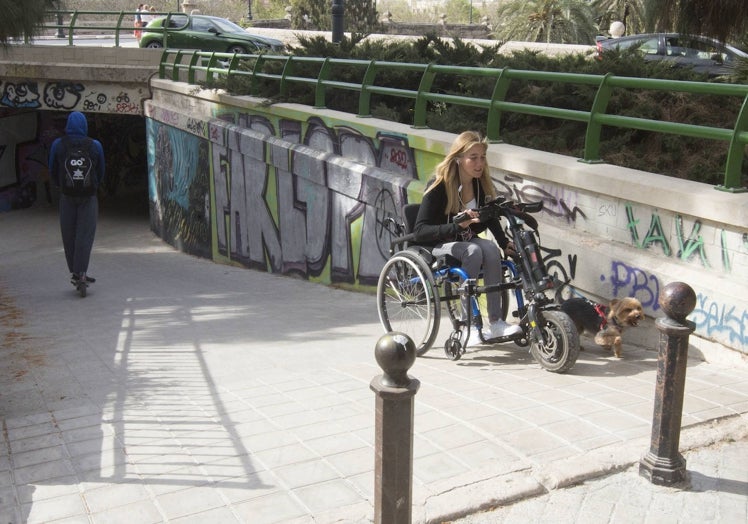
column 415, row 289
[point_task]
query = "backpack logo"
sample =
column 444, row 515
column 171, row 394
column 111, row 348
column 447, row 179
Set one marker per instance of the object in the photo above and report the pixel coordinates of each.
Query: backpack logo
column 78, row 177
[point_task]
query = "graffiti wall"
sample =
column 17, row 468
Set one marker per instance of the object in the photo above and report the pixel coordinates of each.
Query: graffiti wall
column 612, row 248
column 73, row 96
column 26, row 136
column 239, row 194
column 308, row 194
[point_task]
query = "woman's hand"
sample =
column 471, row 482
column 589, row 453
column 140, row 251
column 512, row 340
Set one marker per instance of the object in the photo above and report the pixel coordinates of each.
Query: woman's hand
column 472, row 217
column 510, row 250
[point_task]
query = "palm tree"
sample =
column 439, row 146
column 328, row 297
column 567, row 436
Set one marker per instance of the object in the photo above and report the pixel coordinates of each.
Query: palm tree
column 632, row 13
column 558, row 21
column 22, row 18
column 721, row 19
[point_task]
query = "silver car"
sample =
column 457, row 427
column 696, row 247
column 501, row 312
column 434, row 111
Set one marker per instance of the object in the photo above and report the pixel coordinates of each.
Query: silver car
column 700, row 53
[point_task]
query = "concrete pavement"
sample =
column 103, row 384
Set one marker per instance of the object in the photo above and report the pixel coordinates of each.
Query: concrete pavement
column 184, row 391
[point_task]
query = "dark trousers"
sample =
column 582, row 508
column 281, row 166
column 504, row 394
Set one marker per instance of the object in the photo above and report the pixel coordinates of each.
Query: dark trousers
column 78, row 217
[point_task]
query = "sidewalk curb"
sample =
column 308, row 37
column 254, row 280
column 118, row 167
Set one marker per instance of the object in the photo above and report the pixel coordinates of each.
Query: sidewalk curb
column 507, row 489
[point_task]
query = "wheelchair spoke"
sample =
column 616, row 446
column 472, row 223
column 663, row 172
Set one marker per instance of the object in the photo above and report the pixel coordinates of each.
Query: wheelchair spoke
column 407, row 301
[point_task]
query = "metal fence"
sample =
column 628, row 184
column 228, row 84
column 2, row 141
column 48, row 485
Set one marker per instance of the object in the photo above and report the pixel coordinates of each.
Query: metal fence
column 78, row 24
column 197, row 67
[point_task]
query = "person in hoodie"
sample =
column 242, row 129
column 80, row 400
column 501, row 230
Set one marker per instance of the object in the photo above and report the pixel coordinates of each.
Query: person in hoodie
column 76, row 167
column 463, row 183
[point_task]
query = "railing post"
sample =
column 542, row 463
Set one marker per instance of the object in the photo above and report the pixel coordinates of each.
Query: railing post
column 393, row 443
column 663, row 464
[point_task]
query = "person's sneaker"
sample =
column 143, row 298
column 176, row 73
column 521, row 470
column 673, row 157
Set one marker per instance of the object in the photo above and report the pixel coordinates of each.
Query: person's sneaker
column 502, row 329
column 90, row 280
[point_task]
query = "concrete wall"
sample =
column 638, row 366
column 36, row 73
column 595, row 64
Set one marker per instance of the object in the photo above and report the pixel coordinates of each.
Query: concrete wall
column 304, row 192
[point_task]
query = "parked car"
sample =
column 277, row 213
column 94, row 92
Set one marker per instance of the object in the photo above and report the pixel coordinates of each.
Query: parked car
column 700, row 53
column 206, row 33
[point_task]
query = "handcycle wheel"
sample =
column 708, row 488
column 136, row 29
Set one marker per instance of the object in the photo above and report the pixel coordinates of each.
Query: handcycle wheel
column 560, row 347
column 407, row 300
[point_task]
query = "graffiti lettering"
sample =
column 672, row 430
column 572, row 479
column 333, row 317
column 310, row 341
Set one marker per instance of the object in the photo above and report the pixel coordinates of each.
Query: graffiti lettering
column 167, row 117
column 556, row 267
column 24, row 94
column 398, row 158
column 552, row 205
column 606, row 210
column 693, row 243
column 655, row 234
column 196, row 126
column 125, row 107
column 395, row 154
column 62, row 95
column 634, row 282
column 720, row 321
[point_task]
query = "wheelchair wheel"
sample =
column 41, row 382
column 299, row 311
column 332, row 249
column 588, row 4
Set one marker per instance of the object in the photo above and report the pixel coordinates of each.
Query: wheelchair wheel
column 408, row 301
column 560, row 347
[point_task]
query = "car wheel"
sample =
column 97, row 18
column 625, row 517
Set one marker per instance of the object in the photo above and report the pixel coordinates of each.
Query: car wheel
column 155, row 44
column 237, row 49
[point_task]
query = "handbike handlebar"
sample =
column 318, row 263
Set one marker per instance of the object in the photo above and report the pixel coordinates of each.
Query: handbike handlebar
column 501, row 207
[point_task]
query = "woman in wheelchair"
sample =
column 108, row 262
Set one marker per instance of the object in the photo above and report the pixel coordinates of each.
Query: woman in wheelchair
column 463, row 183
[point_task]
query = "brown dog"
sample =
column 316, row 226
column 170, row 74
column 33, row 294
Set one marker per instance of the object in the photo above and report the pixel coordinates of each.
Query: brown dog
column 607, row 326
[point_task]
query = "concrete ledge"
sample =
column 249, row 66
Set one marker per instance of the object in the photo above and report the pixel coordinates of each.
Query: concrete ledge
column 117, row 64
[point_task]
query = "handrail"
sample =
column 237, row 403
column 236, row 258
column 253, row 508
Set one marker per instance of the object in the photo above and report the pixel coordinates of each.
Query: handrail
column 82, row 21
column 595, row 118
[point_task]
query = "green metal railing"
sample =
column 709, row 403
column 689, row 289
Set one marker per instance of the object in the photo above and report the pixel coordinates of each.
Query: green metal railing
column 195, row 67
column 81, row 23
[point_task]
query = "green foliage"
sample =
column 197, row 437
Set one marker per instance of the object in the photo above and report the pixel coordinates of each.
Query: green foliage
column 458, row 11
column 21, row 19
column 311, row 14
column 359, row 16
column 696, row 159
column 559, row 21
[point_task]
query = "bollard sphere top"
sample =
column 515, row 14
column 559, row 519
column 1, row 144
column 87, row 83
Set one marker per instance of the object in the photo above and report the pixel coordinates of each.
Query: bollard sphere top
column 395, row 353
column 677, row 300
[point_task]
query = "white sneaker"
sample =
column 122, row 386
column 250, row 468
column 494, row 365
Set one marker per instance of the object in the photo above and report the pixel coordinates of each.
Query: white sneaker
column 502, row 329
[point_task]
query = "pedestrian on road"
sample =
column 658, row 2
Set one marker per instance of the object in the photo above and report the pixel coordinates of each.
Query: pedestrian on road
column 138, row 21
column 463, row 183
column 76, row 167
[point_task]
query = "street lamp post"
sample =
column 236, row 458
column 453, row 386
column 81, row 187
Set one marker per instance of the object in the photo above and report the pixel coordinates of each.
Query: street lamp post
column 337, row 21
column 249, row 9
column 60, row 32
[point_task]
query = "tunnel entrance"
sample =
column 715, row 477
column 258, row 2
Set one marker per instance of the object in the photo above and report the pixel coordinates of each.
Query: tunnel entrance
column 26, row 136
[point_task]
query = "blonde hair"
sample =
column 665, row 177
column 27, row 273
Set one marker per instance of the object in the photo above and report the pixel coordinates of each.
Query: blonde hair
column 447, row 172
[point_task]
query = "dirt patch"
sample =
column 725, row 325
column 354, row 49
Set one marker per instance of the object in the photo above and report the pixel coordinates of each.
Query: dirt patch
column 17, row 351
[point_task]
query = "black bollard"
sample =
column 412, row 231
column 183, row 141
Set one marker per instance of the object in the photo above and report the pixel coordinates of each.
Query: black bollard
column 663, row 464
column 393, row 443
column 337, row 21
